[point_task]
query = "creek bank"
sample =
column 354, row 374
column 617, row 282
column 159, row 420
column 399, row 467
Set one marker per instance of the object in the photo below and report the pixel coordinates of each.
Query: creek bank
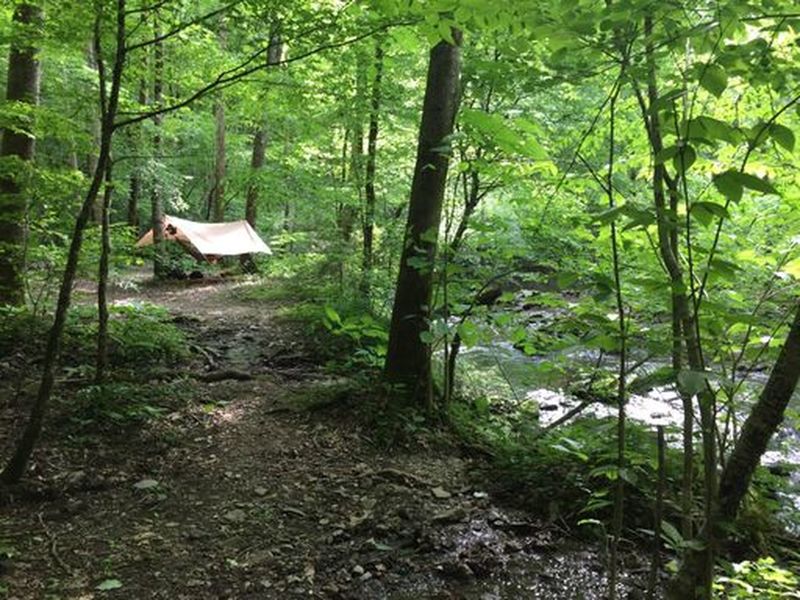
column 506, row 374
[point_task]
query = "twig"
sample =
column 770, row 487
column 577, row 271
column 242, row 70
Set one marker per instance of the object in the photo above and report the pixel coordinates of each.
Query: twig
column 565, row 417
column 54, row 547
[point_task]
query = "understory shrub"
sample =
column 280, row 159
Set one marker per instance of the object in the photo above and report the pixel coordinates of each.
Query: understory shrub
column 140, row 334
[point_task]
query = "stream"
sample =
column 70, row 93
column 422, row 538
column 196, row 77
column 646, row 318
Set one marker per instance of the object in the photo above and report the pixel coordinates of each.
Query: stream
column 526, row 379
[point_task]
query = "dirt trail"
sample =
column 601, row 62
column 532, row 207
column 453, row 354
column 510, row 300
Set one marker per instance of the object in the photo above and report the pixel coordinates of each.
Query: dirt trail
column 241, row 492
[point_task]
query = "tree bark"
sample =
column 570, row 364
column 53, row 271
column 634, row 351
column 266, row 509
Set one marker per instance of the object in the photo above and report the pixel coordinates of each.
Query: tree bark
column 101, row 360
column 156, row 197
column 18, row 147
column 135, row 191
column 685, row 314
column 348, row 211
column 16, row 466
column 218, row 189
column 251, row 206
column 408, row 356
column 134, row 195
column 760, row 425
column 95, row 127
column 220, row 166
column 256, row 164
column 274, row 57
column 369, row 183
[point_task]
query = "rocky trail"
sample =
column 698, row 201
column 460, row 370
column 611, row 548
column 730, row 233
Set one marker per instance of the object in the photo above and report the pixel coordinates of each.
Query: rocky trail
column 259, row 481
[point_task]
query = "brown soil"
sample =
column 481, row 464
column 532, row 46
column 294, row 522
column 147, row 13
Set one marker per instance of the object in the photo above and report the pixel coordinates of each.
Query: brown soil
column 266, row 488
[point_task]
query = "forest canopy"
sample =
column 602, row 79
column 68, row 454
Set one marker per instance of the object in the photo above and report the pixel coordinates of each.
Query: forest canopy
column 561, row 240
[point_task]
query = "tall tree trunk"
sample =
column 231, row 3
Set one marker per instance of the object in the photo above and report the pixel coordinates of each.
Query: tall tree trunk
column 101, row 360
column 251, row 207
column 274, row 57
column 408, row 356
column 619, row 487
column 256, row 164
column 218, row 188
column 348, row 212
column 369, row 183
column 16, row 466
column 18, row 146
column 472, row 196
column 687, row 481
column 760, row 425
column 156, row 197
column 134, row 195
column 94, row 128
column 344, row 211
column 135, row 191
column 669, row 254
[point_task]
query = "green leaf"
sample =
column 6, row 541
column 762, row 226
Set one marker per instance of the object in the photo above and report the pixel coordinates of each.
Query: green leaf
column 109, row 584
column 783, row 136
column 446, row 32
column 468, row 332
column 704, row 127
column 666, row 99
column 426, row 337
column 502, row 132
column 714, row 79
column 671, row 535
column 756, row 183
column 605, row 217
column 729, row 185
column 692, row 382
column 725, row 269
column 666, row 154
column 687, row 159
column 332, row 315
column 715, row 209
column 639, row 217
column 706, row 211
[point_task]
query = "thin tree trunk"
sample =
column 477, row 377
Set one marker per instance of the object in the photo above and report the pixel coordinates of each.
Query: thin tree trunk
column 760, row 425
column 408, row 356
column 251, row 205
column 220, row 166
column 344, row 211
column 369, row 183
column 18, row 144
column 16, row 466
column 156, row 197
column 687, row 481
column 472, row 197
column 135, row 191
column 619, row 487
column 694, row 353
column 349, row 211
column 256, row 164
column 655, row 565
column 101, row 360
column 134, row 195
column 218, row 189
column 274, row 57
column 95, row 127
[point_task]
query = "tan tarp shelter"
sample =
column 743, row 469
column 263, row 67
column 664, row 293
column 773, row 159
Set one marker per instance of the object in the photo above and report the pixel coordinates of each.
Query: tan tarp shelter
column 209, row 241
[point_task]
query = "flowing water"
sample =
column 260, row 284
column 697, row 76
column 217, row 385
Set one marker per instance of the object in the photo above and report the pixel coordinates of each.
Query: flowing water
column 502, row 372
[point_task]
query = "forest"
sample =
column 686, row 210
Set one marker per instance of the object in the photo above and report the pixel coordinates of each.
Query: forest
column 448, row 299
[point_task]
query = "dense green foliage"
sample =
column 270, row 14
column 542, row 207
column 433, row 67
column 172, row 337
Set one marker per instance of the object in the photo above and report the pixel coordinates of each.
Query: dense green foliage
column 609, row 160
